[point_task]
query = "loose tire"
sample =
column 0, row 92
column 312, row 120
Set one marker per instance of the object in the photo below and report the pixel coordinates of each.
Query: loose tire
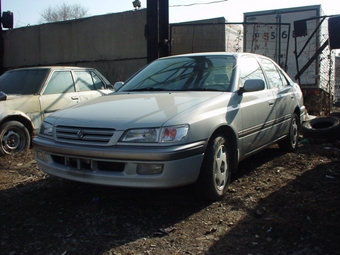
column 290, row 143
column 14, row 137
column 214, row 177
column 322, row 128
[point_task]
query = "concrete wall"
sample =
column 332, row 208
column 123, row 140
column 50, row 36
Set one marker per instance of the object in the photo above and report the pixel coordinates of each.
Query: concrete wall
column 112, row 43
column 197, row 38
column 205, row 35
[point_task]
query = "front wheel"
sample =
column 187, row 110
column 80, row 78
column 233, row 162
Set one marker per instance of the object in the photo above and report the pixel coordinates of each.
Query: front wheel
column 14, row 137
column 214, row 177
column 290, row 143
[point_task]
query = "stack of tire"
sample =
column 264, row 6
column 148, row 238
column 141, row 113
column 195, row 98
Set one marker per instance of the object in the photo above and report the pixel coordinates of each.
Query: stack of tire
column 322, row 128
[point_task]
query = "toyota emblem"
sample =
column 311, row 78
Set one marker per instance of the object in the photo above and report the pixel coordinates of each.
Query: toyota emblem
column 80, row 134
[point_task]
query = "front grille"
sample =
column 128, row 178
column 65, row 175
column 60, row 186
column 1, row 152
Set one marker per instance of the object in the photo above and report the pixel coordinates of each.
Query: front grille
column 84, row 135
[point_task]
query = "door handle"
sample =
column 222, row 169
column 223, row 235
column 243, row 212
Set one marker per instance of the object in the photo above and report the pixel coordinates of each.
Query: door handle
column 271, row 102
column 75, row 98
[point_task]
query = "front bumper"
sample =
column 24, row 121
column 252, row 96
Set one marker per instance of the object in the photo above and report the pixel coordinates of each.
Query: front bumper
column 303, row 114
column 119, row 165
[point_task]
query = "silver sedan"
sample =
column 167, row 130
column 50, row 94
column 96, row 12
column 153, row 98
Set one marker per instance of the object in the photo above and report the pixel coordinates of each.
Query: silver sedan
column 180, row 120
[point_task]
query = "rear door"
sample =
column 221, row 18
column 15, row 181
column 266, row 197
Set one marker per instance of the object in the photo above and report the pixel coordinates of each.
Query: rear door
column 283, row 94
column 89, row 85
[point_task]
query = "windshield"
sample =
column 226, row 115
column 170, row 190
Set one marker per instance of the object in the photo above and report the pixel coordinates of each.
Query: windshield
column 24, row 82
column 198, row 73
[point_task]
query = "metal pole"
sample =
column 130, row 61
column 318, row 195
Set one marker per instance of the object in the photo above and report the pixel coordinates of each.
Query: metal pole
column 152, row 30
column 2, row 69
column 157, row 29
column 163, row 28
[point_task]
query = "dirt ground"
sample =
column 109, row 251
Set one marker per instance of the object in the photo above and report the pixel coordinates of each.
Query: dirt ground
column 278, row 203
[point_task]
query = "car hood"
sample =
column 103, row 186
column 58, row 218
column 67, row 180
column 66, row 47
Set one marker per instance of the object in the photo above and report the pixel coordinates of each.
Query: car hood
column 6, row 97
column 126, row 110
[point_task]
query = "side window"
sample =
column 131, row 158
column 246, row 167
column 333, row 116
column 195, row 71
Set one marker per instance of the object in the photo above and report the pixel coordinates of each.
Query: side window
column 98, row 84
column 274, row 78
column 84, row 80
column 284, row 79
column 60, row 82
column 249, row 69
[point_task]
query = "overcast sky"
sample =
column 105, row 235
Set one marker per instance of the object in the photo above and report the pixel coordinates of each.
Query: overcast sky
column 27, row 12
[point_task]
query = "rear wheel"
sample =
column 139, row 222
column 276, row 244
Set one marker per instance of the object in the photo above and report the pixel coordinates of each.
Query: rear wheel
column 14, row 137
column 290, row 143
column 214, row 177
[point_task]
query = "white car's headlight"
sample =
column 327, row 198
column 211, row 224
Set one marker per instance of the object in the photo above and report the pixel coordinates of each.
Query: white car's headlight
column 155, row 135
column 46, row 129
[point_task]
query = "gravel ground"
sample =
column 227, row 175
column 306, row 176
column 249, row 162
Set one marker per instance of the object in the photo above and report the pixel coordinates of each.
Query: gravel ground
column 278, row 203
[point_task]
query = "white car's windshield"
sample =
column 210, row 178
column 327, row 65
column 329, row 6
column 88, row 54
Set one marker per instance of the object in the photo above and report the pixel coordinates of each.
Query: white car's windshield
column 23, row 82
column 199, row 73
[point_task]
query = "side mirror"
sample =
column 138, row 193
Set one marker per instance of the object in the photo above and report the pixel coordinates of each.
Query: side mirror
column 118, row 85
column 252, row 85
column 3, row 96
column 110, row 86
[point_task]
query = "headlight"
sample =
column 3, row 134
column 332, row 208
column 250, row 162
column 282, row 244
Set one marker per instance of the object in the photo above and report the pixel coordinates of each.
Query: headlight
column 155, row 135
column 46, row 129
column 174, row 134
column 147, row 135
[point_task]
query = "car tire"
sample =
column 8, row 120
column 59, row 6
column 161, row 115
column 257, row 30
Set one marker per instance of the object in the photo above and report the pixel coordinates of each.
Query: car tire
column 322, row 128
column 215, row 173
column 14, row 137
column 290, row 143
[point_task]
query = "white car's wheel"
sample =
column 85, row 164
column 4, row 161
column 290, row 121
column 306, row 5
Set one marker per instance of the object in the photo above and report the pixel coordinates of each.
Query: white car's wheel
column 14, row 137
column 215, row 173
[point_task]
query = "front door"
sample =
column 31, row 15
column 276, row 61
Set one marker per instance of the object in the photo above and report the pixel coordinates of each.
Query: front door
column 256, row 108
column 58, row 93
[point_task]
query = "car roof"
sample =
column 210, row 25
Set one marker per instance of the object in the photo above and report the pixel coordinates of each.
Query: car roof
column 53, row 68
column 235, row 54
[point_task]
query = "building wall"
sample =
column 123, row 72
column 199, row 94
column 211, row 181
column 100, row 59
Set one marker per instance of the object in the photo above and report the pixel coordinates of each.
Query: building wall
column 112, row 43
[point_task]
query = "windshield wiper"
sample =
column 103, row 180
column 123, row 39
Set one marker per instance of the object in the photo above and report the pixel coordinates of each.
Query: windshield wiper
column 205, row 89
column 146, row 89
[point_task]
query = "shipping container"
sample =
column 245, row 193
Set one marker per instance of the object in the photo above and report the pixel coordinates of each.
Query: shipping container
column 272, row 33
column 337, row 81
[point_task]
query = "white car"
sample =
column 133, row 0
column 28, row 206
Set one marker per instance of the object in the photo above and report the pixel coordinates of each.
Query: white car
column 28, row 95
column 180, row 120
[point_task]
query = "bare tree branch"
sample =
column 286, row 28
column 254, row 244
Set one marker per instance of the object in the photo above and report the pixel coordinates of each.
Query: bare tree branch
column 63, row 12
